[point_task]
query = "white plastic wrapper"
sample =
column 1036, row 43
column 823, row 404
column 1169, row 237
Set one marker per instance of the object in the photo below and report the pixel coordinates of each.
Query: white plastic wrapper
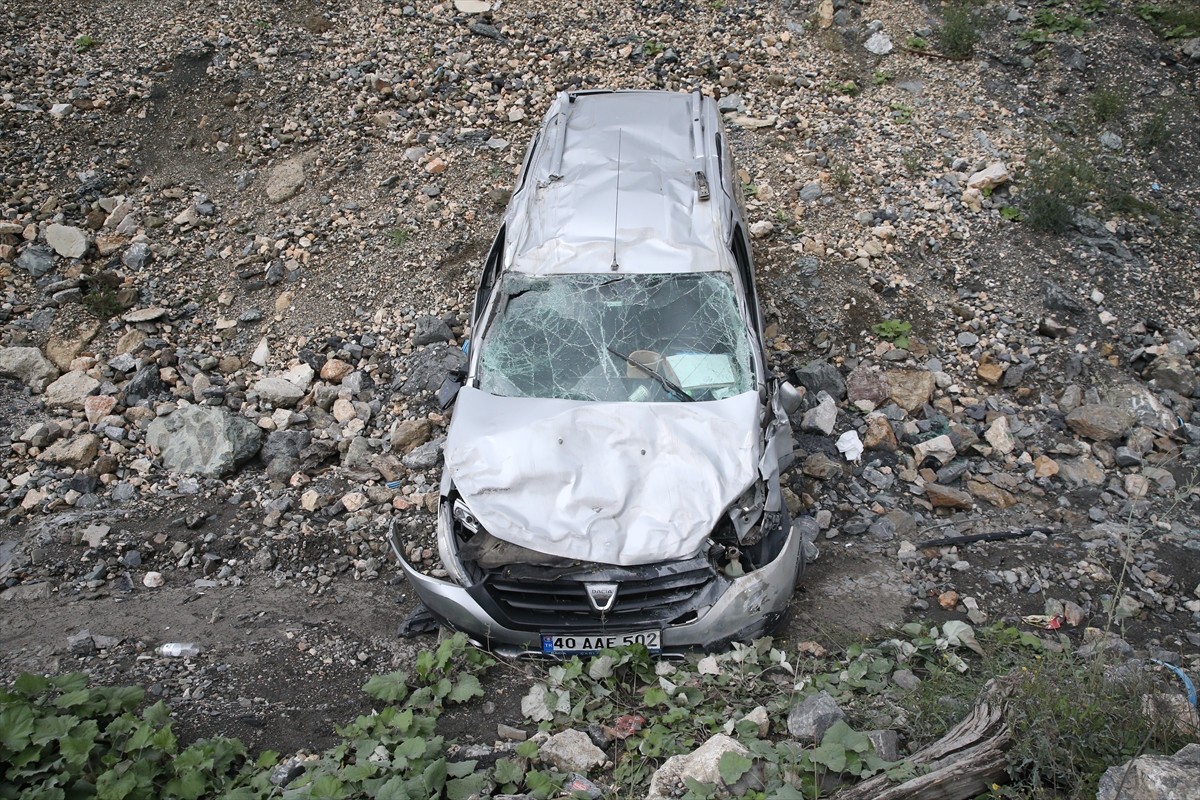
column 849, row 445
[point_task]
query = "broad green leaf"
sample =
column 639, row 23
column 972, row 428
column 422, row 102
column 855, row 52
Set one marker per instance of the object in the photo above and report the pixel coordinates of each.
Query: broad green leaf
column 77, row 746
column 411, row 748
column 157, row 714
column 390, row 688
column 73, row 699
column 16, row 728
column 116, row 784
column 601, row 667
column 394, row 789
column 697, row 789
column 527, row 749
column 357, row 773
column 786, row 792
column 831, row 755
column 30, row 685
column 70, row 682
column 460, row 769
column 435, row 776
column 465, row 688
column 732, row 766
column 189, row 785
column 119, row 699
column 463, row 788
column 50, row 729
column 508, row 771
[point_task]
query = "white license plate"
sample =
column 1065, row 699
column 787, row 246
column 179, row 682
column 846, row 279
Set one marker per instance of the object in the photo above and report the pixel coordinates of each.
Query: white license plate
column 567, row 644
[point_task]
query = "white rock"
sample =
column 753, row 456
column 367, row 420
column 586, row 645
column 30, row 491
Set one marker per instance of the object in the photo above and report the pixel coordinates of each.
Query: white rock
column 999, row 436
column 60, row 110
column 939, row 447
column 152, row 580
column 262, row 353
column 67, row 241
column 471, row 6
column 762, row 228
column 990, row 177
column 880, row 44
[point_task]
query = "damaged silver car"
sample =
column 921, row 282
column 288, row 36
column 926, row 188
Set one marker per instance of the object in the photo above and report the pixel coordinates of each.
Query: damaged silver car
column 612, row 466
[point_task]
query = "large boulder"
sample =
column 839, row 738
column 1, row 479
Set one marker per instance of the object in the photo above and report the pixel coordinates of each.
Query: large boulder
column 78, row 453
column 1101, row 423
column 71, row 390
column 278, row 392
column 867, row 384
column 28, row 365
column 821, row 376
column 572, row 751
column 204, row 440
column 910, row 388
column 428, row 367
column 1174, row 777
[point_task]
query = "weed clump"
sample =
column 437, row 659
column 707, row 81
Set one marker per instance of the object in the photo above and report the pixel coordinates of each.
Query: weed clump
column 960, row 31
column 1107, row 104
column 1058, row 185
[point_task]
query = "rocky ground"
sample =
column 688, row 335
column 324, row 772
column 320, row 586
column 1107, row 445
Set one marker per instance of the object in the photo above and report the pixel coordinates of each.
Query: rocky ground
column 239, row 239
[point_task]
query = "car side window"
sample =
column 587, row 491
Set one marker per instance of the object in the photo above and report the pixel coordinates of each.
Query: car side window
column 491, row 269
column 741, row 254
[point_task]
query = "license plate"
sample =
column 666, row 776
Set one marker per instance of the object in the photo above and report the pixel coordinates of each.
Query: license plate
column 567, row 644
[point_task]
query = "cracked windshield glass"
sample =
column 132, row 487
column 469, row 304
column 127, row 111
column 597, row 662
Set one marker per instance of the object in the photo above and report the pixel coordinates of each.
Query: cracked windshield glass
column 640, row 338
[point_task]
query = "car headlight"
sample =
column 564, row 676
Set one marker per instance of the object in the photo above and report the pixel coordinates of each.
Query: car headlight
column 447, row 543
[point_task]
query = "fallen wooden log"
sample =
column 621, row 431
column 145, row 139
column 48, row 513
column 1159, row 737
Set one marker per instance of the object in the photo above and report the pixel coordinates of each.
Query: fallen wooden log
column 962, row 764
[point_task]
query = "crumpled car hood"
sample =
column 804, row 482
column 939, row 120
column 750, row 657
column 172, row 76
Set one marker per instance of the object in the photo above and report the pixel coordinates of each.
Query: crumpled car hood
column 613, row 483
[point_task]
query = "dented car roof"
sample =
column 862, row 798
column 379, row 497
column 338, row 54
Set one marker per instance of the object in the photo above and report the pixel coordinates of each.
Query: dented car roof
column 613, row 177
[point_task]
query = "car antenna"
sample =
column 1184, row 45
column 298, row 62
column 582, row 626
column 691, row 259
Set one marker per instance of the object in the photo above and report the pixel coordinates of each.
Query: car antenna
column 616, row 204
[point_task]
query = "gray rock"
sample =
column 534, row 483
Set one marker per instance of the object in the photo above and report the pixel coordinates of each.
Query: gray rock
column 731, row 103
column 1174, row 777
column 1173, row 372
column 81, row 644
column 428, row 367
column 572, row 751
column 144, row 385
column 821, row 467
column 905, row 679
column 1191, row 49
column 430, row 329
column 67, row 241
column 426, row 456
column 886, row 744
column 136, row 256
column 967, row 339
column 28, row 365
column 810, row 718
column 821, row 376
column 1057, row 298
column 1125, row 457
column 204, row 440
column 285, row 180
column 1100, row 422
column 36, row 260
column 281, row 453
column 359, row 453
column 821, row 417
column 1111, row 140
column 811, row 192
column 278, row 392
column 70, row 390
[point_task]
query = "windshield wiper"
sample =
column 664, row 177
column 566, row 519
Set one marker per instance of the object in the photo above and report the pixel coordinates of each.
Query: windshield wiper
column 673, row 388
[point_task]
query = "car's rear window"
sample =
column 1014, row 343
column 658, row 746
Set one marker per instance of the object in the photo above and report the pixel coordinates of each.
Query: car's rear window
column 637, row 337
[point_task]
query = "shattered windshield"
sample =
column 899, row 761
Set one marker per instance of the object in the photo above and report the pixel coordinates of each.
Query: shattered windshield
column 640, row 338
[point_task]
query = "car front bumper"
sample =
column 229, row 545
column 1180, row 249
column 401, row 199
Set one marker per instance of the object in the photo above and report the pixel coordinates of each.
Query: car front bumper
column 749, row 607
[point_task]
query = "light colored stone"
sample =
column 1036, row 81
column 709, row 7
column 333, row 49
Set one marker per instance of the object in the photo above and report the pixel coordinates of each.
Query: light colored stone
column 28, row 365
column 1174, row 777
column 879, row 43
column 77, row 453
column 999, row 436
column 991, row 176
column 278, row 392
column 879, row 434
column 472, row 6
column 285, row 180
column 945, row 497
column 335, row 369
column 409, row 434
column 67, row 241
column 144, row 315
column 572, row 751
column 939, row 447
column 821, row 417
column 98, row 406
column 203, row 440
column 1044, row 467
column 70, row 390
column 989, row 492
column 1101, row 423
column 699, row 765
column 910, row 389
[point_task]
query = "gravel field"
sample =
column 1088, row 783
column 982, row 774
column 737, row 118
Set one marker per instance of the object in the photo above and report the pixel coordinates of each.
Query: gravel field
column 239, row 240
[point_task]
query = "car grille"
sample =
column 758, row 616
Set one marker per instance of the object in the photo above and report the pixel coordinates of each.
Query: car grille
column 647, row 597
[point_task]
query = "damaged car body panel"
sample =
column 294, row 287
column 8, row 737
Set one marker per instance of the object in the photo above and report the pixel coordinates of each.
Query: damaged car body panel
column 612, row 464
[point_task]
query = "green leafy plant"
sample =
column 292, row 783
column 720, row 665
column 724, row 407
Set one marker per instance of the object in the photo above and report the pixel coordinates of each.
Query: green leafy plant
column 880, row 77
column 1011, row 213
column 1156, row 132
column 1058, row 184
column 893, row 330
column 916, row 43
column 959, row 32
column 399, row 236
column 652, row 48
column 749, row 189
column 902, row 112
column 841, row 176
column 85, row 43
column 1172, row 20
column 1107, row 104
column 1095, row 7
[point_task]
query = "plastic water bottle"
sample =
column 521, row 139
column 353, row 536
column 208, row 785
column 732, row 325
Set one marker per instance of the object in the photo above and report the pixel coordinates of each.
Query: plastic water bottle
column 179, row 649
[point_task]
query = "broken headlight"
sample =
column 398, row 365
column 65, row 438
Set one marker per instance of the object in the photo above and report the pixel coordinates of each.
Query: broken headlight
column 749, row 537
column 448, row 542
